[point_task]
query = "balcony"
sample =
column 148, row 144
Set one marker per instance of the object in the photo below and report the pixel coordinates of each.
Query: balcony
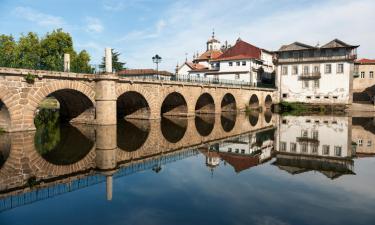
column 349, row 57
column 310, row 76
column 313, row 141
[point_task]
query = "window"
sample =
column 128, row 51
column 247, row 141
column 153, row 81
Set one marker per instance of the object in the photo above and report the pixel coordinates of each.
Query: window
column 369, row 143
column 315, row 134
column 305, row 70
column 229, row 149
column 304, row 133
column 237, row 76
column 230, row 63
column 371, row 74
column 305, row 84
column 284, row 70
column 304, row 148
column 283, row 146
column 308, row 97
column 314, row 149
column 337, row 150
column 316, row 69
column 360, row 142
column 244, row 63
column 293, row 147
column 325, row 149
column 242, row 151
column 328, row 69
column 317, row 97
column 316, row 83
column 237, row 150
column 238, row 63
column 340, row 68
column 285, row 95
column 295, row 70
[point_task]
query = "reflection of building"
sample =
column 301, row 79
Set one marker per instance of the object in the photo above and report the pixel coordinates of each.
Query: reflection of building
column 320, row 143
column 316, row 74
column 242, row 152
column 364, row 81
column 363, row 134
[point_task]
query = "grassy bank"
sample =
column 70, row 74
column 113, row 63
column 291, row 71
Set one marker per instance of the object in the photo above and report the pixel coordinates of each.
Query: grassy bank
column 49, row 103
column 299, row 108
column 2, row 131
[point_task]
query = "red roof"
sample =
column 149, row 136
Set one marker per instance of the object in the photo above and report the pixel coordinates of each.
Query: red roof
column 241, row 50
column 196, row 66
column 366, row 61
column 240, row 162
column 211, row 54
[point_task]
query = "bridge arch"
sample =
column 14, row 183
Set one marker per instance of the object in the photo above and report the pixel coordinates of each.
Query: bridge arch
column 228, row 121
column 10, row 110
column 131, row 136
column 268, row 102
column 173, row 128
column 254, row 102
column 228, row 103
column 174, row 105
column 75, row 98
column 5, row 120
column 205, row 104
column 133, row 105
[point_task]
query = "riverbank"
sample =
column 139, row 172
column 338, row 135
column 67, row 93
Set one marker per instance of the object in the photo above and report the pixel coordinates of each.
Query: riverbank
column 299, row 108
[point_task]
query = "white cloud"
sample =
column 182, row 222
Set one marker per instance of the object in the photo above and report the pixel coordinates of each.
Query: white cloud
column 94, row 25
column 39, row 18
column 149, row 33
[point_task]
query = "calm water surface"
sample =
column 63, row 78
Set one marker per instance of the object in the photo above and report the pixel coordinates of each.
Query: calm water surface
column 260, row 168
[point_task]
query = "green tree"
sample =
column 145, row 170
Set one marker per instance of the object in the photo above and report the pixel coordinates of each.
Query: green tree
column 28, row 51
column 116, row 64
column 81, row 63
column 54, row 45
column 7, row 51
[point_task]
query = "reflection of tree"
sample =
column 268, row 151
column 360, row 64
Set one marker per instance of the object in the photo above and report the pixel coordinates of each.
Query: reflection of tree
column 47, row 134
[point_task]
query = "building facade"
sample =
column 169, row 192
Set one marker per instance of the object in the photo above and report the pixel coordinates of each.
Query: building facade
column 363, row 80
column 314, row 74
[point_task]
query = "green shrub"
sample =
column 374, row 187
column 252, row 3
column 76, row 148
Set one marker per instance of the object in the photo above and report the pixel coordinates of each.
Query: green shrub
column 30, row 78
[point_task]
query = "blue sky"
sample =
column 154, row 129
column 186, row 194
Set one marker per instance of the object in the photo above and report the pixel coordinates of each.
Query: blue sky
column 139, row 29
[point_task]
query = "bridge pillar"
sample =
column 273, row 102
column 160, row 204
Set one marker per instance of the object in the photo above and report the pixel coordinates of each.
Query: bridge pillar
column 105, row 98
column 106, row 149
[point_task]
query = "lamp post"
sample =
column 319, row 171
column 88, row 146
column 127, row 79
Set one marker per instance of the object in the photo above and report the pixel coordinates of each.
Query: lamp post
column 157, row 59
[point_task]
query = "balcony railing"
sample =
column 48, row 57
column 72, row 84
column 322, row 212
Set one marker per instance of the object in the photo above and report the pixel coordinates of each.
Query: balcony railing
column 310, row 76
column 308, row 140
column 315, row 58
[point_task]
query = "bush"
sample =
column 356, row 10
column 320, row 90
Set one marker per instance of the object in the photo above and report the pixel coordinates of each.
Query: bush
column 30, row 78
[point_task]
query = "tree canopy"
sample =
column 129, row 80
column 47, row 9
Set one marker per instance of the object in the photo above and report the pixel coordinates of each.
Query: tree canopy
column 46, row 53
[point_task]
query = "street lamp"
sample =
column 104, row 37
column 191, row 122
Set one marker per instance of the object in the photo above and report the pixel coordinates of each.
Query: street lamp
column 156, row 59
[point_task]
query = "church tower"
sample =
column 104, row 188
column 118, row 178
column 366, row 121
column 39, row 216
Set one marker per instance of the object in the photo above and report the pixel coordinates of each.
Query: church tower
column 213, row 43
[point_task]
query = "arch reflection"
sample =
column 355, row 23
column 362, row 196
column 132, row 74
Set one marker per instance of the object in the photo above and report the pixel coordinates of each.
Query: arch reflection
column 228, row 121
column 173, row 128
column 253, row 118
column 205, row 124
column 132, row 134
column 59, row 144
column 268, row 116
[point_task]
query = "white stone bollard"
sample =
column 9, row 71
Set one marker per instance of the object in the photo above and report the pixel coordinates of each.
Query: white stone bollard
column 108, row 60
column 66, row 62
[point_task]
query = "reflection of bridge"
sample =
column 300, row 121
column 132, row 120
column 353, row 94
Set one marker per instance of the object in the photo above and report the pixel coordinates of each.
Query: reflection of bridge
column 25, row 167
column 100, row 99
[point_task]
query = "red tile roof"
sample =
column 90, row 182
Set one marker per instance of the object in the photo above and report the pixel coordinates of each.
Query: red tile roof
column 142, row 72
column 196, row 66
column 241, row 50
column 366, row 61
column 240, row 162
column 211, row 54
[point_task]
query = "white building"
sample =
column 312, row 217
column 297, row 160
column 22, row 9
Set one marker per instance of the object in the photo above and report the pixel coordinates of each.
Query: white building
column 305, row 143
column 242, row 62
column 321, row 75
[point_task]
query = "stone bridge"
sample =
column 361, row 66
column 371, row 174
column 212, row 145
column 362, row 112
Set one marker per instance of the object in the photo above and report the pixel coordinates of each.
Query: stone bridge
column 102, row 99
column 109, row 149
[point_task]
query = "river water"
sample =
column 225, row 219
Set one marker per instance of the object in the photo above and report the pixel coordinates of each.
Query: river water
column 260, row 168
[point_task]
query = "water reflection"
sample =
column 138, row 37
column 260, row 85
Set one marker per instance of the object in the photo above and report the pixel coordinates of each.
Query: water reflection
column 173, row 128
column 253, row 118
column 257, row 147
column 228, row 120
column 132, row 134
column 205, row 124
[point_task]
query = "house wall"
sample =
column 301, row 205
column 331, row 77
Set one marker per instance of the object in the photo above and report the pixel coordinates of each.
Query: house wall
column 360, row 83
column 292, row 127
column 334, row 88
